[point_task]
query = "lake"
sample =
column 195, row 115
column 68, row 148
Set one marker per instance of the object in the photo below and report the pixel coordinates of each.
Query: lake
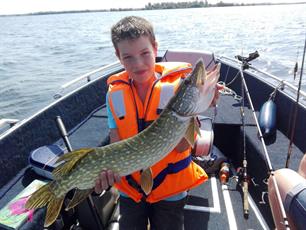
column 40, row 53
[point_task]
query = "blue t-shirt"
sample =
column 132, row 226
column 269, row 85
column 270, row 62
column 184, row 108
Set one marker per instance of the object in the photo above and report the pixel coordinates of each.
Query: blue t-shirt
column 110, row 118
column 112, row 125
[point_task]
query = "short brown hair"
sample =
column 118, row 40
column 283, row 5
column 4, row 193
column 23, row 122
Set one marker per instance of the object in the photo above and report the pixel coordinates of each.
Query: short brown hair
column 132, row 27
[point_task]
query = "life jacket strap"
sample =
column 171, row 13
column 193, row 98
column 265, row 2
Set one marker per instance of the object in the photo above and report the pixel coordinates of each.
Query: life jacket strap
column 132, row 182
column 171, row 169
column 142, row 124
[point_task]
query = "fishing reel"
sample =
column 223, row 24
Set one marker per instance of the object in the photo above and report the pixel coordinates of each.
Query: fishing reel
column 243, row 176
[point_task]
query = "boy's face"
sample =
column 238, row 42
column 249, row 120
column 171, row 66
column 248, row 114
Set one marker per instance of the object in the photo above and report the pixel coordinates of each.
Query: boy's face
column 138, row 58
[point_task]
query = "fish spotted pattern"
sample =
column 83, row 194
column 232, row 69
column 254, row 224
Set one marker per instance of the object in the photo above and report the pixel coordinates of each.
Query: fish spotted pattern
column 82, row 167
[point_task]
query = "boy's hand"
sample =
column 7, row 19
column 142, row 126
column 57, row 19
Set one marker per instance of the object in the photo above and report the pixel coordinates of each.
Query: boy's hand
column 105, row 180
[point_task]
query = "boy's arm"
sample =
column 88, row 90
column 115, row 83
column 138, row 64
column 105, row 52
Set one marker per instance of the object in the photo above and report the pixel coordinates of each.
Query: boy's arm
column 114, row 135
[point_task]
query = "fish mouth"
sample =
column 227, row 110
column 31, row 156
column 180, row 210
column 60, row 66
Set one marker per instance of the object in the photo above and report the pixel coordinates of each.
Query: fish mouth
column 198, row 91
column 200, row 73
column 206, row 83
column 201, row 76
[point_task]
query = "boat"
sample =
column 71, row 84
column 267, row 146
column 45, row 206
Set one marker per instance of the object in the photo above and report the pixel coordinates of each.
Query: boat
column 77, row 118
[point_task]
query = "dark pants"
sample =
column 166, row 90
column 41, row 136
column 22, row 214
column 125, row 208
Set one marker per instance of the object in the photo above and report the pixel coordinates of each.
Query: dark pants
column 163, row 215
column 297, row 209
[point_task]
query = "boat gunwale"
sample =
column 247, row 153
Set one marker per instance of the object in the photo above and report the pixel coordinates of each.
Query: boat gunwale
column 112, row 71
column 114, row 67
column 235, row 64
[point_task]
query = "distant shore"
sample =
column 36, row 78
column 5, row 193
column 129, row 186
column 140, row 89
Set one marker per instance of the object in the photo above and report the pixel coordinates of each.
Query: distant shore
column 157, row 6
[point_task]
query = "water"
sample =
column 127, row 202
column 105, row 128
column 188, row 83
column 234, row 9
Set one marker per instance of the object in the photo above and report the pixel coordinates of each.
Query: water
column 40, row 53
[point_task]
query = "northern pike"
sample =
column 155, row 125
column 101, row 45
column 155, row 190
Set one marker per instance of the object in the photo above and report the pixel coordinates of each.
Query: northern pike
column 82, row 167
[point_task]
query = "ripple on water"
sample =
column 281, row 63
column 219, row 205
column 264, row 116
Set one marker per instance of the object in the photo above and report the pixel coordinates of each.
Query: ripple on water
column 40, row 53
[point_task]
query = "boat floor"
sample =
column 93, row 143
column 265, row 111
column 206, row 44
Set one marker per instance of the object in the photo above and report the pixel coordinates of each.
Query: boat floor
column 216, row 206
column 210, row 205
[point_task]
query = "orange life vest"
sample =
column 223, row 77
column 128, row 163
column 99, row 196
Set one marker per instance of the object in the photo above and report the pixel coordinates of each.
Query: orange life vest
column 176, row 172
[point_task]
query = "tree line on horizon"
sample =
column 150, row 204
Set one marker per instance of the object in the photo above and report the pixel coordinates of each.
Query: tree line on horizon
column 193, row 4
column 176, row 5
column 163, row 5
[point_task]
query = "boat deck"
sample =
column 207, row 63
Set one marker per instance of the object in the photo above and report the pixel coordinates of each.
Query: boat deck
column 217, row 206
column 224, row 209
column 211, row 205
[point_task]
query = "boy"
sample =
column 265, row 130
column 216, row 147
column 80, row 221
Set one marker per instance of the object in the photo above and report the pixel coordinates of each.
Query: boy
column 134, row 100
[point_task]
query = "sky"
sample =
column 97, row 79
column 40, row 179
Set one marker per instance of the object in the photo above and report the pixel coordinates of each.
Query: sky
column 30, row 6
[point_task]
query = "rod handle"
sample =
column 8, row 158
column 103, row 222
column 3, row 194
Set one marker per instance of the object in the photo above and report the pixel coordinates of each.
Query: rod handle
column 63, row 131
column 245, row 199
column 61, row 126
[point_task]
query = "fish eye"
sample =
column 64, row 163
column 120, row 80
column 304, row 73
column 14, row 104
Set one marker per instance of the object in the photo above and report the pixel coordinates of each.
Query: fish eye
column 187, row 81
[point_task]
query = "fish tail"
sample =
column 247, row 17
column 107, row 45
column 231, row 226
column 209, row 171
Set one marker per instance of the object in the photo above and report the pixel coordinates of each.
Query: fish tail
column 45, row 196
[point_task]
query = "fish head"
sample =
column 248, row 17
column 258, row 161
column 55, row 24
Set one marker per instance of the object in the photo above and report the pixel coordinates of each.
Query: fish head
column 197, row 91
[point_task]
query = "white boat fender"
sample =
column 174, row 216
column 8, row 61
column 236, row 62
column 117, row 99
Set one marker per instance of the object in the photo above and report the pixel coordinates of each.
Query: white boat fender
column 204, row 143
column 212, row 162
column 43, row 159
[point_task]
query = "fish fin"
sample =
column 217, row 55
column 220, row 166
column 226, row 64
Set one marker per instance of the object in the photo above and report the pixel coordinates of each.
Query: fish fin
column 71, row 159
column 40, row 198
column 197, row 126
column 53, row 210
column 44, row 196
column 189, row 135
column 146, row 181
column 73, row 154
column 78, row 197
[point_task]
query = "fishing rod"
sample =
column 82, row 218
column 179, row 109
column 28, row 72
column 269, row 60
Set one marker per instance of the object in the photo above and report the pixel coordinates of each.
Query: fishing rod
column 243, row 171
column 244, row 65
column 294, row 117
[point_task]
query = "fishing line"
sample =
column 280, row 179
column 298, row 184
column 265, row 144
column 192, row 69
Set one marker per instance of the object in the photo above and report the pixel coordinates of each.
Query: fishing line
column 295, row 69
column 294, row 117
column 234, row 78
column 244, row 64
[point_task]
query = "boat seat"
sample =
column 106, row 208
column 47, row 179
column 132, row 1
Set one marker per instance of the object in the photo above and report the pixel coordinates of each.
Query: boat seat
column 106, row 207
column 190, row 57
column 96, row 129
